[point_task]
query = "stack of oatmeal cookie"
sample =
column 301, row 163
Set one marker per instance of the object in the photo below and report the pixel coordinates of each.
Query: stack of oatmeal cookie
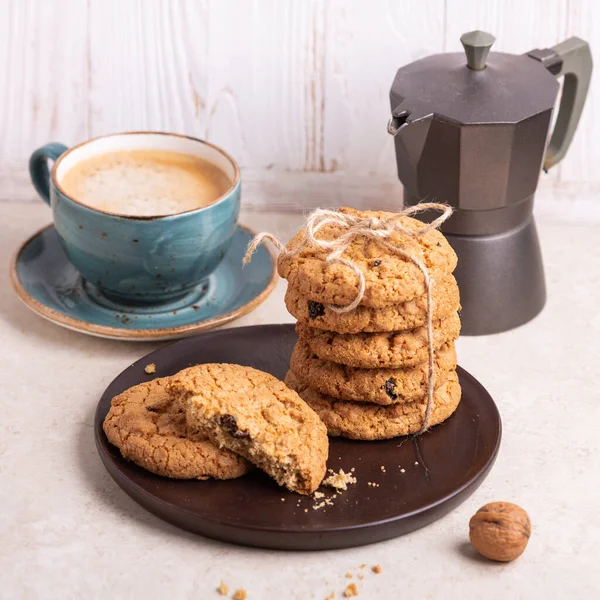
column 365, row 372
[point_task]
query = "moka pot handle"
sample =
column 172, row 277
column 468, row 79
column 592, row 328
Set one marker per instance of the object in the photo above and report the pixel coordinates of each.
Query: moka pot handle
column 573, row 59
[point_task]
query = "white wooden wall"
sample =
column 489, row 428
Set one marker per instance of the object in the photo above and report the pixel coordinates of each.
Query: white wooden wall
column 287, row 86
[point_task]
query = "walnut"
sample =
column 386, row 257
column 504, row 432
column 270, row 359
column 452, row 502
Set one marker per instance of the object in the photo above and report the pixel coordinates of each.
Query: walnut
column 500, row 531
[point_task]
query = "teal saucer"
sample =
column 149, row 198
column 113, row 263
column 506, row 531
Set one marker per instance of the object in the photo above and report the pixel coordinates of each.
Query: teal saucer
column 50, row 285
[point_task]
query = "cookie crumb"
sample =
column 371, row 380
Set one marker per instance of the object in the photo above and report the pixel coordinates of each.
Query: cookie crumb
column 223, row 589
column 350, row 590
column 239, row 594
column 363, row 565
column 416, row 462
column 402, row 470
column 383, row 468
column 319, row 495
column 339, row 481
column 372, row 484
column 150, row 369
column 326, row 502
column 306, row 510
column 361, row 576
column 283, row 499
column 376, row 569
column 348, row 575
column 331, row 596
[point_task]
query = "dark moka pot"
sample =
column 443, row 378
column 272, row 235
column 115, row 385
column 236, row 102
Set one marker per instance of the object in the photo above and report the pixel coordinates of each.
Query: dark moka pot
column 471, row 131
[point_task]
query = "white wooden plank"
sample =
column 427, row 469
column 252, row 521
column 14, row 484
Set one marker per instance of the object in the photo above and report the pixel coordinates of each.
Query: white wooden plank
column 366, row 44
column 518, row 25
column 265, row 92
column 148, row 66
column 285, row 86
column 43, row 83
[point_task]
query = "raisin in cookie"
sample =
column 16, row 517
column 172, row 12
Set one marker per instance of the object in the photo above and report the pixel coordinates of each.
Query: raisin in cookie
column 391, row 350
column 396, row 317
column 151, row 430
column 255, row 415
column 389, row 277
column 379, row 386
column 361, row 421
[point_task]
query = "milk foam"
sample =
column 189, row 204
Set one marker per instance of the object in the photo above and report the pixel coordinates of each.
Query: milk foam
column 145, row 182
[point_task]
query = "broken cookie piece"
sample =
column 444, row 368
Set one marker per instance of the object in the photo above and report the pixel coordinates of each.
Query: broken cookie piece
column 258, row 417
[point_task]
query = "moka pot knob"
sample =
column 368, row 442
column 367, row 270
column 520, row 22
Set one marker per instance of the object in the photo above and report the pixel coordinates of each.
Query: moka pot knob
column 477, row 46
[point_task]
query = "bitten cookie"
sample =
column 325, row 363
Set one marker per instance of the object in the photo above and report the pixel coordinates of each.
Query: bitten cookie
column 380, row 386
column 389, row 277
column 255, row 415
column 396, row 350
column 151, row 430
column 371, row 422
column 396, row 317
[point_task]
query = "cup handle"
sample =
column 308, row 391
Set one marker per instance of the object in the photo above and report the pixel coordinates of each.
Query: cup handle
column 38, row 168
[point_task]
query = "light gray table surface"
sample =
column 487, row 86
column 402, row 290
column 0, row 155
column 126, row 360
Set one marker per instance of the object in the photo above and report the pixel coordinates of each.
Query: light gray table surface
column 67, row 531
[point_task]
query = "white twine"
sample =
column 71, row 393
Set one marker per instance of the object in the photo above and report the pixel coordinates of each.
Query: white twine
column 379, row 230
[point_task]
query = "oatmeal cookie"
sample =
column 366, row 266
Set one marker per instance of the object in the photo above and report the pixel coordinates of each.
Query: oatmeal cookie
column 151, row 430
column 371, row 422
column 389, row 277
column 379, row 386
column 400, row 349
column 395, row 317
column 255, row 415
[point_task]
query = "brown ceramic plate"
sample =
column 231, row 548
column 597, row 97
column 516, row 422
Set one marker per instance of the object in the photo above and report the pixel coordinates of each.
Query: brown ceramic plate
column 442, row 467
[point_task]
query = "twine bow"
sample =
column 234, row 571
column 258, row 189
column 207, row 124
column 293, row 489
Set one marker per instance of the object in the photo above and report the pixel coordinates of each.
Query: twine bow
column 377, row 229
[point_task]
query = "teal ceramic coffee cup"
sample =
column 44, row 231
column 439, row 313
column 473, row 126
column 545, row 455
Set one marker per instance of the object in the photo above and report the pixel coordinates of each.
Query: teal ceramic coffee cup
column 139, row 259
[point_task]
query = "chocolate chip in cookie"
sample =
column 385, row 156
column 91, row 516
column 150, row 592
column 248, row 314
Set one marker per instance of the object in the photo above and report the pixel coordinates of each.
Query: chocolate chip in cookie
column 315, row 309
column 390, row 388
column 229, row 423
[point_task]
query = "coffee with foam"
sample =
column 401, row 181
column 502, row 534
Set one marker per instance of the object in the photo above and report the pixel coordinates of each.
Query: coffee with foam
column 145, row 182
